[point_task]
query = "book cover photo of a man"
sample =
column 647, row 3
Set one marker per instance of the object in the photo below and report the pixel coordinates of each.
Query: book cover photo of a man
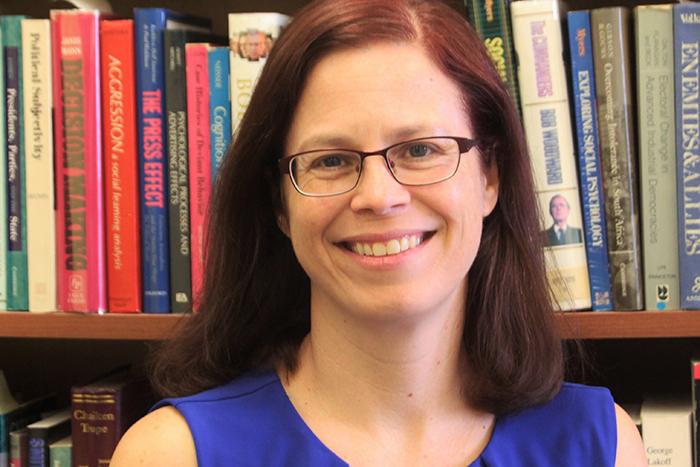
column 560, row 233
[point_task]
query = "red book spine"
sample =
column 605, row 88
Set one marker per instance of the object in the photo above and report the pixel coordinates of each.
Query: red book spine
column 199, row 141
column 79, row 186
column 121, row 169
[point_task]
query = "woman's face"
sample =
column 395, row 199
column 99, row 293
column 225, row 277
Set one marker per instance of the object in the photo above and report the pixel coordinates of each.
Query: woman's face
column 368, row 99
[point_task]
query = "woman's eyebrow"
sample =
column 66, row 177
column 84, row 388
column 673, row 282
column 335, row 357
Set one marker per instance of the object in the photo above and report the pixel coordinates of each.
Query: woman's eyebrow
column 330, row 140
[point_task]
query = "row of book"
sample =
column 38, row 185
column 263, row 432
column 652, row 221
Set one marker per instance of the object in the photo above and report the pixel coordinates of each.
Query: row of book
column 36, row 433
column 112, row 133
column 631, row 183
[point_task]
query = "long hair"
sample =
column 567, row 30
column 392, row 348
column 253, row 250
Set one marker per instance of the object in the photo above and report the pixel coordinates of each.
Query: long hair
column 255, row 299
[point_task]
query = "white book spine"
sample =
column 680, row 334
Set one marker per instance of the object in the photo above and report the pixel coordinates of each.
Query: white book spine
column 41, row 225
column 667, row 432
column 657, row 155
column 3, row 190
column 546, row 115
column 251, row 37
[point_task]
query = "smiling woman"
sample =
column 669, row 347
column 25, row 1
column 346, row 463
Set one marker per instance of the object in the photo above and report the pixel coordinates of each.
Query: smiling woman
column 371, row 306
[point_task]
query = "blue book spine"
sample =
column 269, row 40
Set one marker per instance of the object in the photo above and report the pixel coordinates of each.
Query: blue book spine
column 37, row 452
column 219, row 105
column 686, row 37
column 149, row 24
column 17, row 279
column 586, row 121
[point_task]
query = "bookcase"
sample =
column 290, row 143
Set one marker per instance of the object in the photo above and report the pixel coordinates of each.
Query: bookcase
column 630, row 352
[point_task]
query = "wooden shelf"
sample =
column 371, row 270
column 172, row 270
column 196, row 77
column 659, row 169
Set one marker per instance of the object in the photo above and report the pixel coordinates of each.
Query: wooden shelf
column 629, row 324
column 88, row 326
column 576, row 325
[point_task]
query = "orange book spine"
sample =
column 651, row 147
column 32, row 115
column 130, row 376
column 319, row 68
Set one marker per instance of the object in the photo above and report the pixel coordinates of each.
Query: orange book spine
column 121, row 169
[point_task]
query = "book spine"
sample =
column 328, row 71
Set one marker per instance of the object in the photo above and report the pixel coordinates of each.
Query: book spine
column 41, row 236
column 547, row 123
column 3, row 186
column 614, row 93
column 38, row 455
column 61, row 456
column 586, row 121
column 247, row 62
column 219, row 106
column 121, row 167
column 19, row 448
column 667, row 429
column 149, row 25
column 17, row 296
column 79, row 186
column 95, row 425
column 178, row 173
column 657, row 157
column 199, row 142
column 687, row 72
column 491, row 20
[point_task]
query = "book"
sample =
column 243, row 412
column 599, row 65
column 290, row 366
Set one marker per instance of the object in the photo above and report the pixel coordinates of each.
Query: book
column 19, row 448
column 667, row 425
column 82, row 284
column 219, row 106
column 491, row 20
column 590, row 170
column 123, row 240
column 612, row 55
column 3, row 187
column 686, row 55
column 44, row 432
column 199, row 145
column 16, row 416
column 251, row 38
column 60, row 452
column 16, row 266
column 178, row 167
column 150, row 24
column 102, row 411
column 7, row 405
column 657, row 156
column 547, row 123
column 38, row 139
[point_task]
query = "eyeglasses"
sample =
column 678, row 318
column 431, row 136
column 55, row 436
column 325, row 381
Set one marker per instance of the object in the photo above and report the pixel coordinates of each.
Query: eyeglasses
column 421, row 161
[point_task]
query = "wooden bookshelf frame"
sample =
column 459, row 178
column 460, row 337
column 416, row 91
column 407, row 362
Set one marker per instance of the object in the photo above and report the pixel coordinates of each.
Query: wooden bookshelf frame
column 579, row 325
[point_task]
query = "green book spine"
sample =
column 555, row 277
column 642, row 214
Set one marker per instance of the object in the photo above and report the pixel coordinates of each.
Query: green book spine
column 491, row 20
column 17, row 292
column 61, row 453
column 657, row 156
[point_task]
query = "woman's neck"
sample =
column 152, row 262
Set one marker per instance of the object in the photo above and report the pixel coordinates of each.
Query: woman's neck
column 374, row 373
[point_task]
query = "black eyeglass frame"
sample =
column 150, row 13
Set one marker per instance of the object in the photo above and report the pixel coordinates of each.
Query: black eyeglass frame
column 464, row 144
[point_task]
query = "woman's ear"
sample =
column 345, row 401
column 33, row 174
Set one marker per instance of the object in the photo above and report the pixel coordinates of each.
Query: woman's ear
column 490, row 188
column 283, row 223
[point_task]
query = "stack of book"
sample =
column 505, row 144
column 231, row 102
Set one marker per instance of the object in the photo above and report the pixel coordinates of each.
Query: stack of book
column 635, row 157
column 144, row 110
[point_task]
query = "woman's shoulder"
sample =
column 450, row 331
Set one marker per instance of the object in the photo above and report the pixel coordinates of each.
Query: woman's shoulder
column 160, row 438
column 177, row 430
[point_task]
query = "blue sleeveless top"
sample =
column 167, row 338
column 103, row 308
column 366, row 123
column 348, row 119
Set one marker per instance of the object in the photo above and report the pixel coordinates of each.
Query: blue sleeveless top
column 251, row 422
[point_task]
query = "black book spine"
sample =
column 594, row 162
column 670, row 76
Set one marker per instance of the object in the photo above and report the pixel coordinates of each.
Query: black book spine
column 178, row 172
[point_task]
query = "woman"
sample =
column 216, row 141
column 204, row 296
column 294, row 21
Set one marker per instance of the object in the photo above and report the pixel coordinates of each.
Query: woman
column 375, row 289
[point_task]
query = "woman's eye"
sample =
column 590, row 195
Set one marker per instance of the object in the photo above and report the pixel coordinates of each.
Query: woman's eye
column 418, row 150
column 330, row 161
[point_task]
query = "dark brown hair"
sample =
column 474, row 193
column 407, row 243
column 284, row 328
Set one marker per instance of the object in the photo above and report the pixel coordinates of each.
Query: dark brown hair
column 255, row 300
